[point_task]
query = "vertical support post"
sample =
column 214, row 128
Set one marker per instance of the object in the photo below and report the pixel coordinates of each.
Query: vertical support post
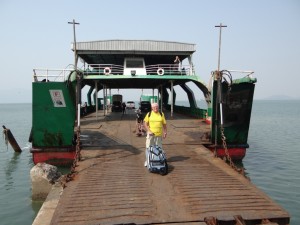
column 172, row 97
column 152, row 95
column 104, row 100
column 158, row 96
column 96, row 99
column 110, row 97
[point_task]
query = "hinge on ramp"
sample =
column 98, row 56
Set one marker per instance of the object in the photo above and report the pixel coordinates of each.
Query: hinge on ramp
column 239, row 220
column 211, row 220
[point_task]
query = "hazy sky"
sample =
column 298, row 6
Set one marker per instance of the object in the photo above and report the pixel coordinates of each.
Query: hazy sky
column 262, row 36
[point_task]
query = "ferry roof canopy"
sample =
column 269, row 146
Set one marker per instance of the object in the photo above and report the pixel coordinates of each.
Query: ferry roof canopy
column 114, row 51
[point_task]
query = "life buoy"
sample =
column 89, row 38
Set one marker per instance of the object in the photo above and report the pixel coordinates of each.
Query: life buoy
column 160, row 71
column 106, row 70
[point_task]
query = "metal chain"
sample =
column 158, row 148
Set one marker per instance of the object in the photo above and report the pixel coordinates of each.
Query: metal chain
column 70, row 176
column 231, row 163
column 77, row 158
column 220, row 76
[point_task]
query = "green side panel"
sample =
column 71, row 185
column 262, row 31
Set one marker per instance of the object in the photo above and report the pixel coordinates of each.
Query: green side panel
column 53, row 114
column 149, row 98
column 189, row 111
column 237, row 106
column 209, row 111
column 246, row 79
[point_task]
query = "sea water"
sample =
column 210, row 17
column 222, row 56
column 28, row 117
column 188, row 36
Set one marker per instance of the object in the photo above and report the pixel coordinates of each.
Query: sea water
column 271, row 162
column 16, row 206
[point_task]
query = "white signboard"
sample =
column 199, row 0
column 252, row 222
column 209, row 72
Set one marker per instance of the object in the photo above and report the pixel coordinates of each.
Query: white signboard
column 57, row 98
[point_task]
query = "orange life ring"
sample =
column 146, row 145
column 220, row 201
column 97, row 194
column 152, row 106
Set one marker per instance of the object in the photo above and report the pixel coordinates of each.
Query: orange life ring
column 160, row 71
column 106, row 70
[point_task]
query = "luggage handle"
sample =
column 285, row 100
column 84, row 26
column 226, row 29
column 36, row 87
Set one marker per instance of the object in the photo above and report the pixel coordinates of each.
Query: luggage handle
column 156, row 152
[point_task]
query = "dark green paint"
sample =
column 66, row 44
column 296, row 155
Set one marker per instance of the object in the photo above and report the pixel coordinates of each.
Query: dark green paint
column 52, row 126
column 237, row 105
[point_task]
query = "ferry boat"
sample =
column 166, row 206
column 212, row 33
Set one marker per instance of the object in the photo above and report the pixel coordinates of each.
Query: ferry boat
column 136, row 64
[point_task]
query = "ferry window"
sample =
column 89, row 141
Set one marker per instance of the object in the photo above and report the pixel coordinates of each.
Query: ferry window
column 134, row 63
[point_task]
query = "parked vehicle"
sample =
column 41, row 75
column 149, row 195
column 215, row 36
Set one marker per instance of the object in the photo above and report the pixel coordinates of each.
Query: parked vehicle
column 145, row 106
column 117, row 98
column 117, row 103
column 116, row 106
column 130, row 105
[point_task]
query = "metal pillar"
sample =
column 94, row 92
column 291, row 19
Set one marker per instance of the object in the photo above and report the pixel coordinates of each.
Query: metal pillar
column 152, row 95
column 96, row 97
column 172, row 99
column 161, row 98
column 104, row 100
column 110, row 98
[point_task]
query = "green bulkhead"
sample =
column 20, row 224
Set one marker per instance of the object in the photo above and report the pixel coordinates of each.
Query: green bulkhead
column 53, row 114
column 149, row 98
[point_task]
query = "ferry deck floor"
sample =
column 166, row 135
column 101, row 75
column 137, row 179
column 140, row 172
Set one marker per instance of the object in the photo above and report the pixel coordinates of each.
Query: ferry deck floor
column 113, row 186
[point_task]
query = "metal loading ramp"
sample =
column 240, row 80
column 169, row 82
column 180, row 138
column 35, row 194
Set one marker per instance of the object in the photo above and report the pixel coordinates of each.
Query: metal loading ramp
column 113, row 187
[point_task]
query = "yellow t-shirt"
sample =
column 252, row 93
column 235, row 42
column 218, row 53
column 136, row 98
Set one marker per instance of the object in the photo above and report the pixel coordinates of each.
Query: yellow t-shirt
column 156, row 122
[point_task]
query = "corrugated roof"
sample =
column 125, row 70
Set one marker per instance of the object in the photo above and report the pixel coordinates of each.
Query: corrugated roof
column 114, row 51
column 136, row 45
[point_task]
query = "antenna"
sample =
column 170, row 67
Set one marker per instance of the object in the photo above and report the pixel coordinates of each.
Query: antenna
column 220, row 35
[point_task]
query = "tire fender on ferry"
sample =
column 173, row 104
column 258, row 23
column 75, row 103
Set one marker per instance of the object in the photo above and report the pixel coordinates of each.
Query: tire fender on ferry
column 160, row 71
column 106, row 70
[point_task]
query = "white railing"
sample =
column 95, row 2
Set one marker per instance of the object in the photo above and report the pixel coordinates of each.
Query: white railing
column 158, row 69
column 45, row 75
column 247, row 72
column 169, row 69
column 104, row 69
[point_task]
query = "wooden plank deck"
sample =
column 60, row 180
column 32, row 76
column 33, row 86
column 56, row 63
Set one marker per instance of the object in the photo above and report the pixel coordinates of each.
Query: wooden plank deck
column 113, row 186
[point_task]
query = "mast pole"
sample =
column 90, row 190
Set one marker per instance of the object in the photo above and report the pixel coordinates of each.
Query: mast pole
column 78, row 94
column 78, row 86
column 220, row 37
column 74, row 36
column 219, row 91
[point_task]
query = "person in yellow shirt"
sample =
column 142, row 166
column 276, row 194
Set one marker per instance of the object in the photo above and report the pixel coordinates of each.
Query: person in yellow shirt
column 156, row 127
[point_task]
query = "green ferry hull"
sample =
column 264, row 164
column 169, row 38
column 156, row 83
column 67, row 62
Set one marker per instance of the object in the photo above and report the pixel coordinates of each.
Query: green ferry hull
column 236, row 109
column 132, row 64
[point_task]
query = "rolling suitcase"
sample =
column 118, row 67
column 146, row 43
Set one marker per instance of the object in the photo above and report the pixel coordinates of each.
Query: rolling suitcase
column 156, row 160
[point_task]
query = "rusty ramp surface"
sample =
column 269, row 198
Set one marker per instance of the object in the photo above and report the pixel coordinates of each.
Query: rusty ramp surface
column 113, row 186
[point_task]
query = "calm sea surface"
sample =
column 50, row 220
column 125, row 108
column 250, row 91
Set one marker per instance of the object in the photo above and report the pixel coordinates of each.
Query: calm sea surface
column 272, row 161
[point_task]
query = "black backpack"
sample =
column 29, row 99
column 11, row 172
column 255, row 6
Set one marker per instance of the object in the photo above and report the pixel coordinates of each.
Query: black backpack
column 149, row 113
